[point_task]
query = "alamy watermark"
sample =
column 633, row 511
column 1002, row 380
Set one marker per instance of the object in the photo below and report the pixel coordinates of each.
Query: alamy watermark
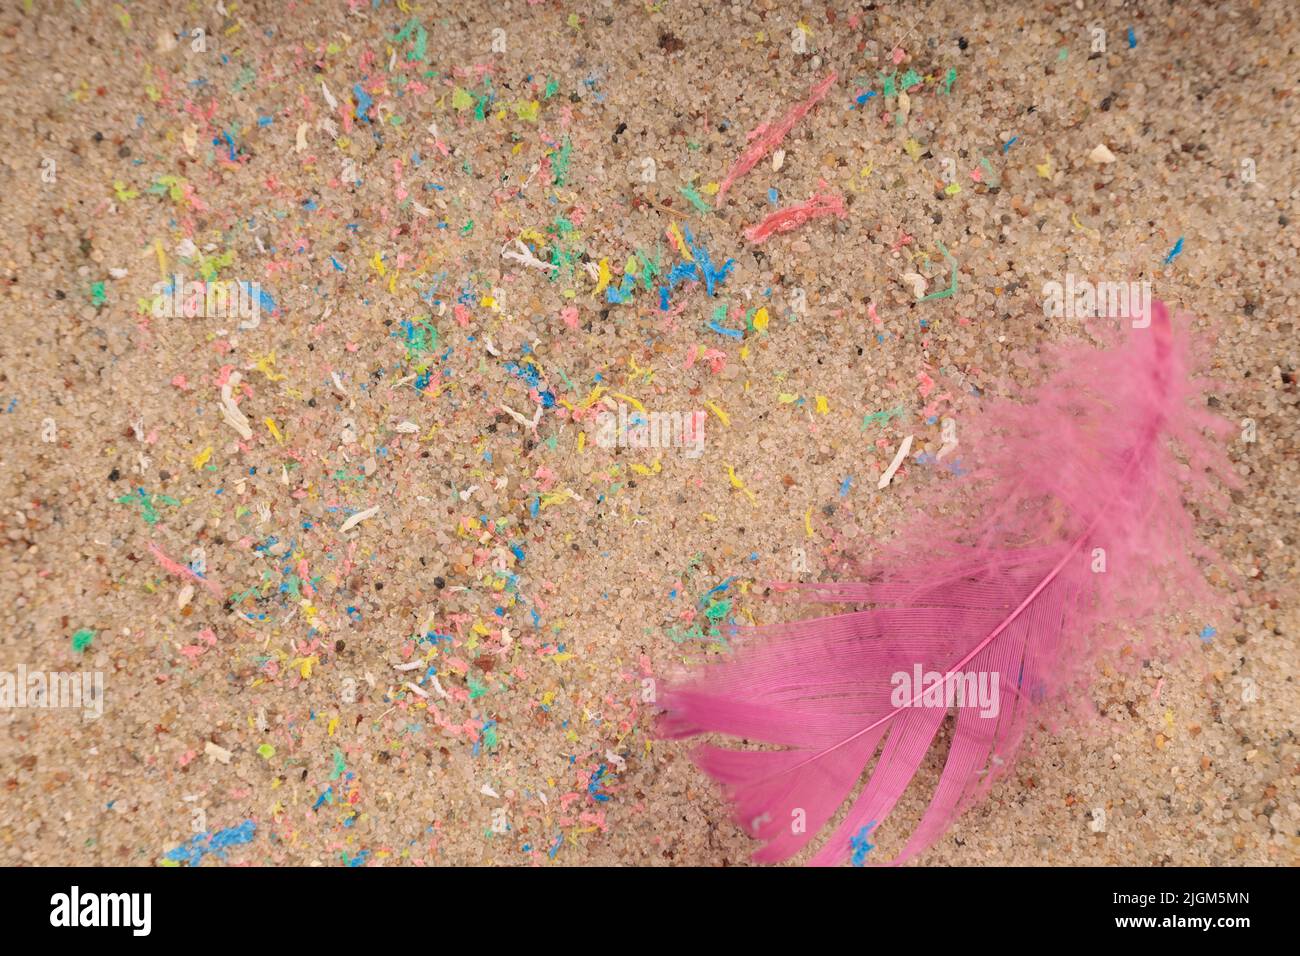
column 214, row 299
column 955, row 689
column 82, row 690
column 1082, row 299
column 637, row 429
column 130, row 910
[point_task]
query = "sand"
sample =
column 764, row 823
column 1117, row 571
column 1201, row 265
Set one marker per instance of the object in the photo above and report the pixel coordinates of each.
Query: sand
column 425, row 621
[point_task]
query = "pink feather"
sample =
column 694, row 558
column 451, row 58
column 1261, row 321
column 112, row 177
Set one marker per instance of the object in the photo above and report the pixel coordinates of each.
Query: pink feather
column 1005, row 584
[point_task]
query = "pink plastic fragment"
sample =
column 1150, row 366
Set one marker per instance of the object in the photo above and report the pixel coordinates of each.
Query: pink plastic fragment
column 792, row 217
column 763, row 139
column 181, row 571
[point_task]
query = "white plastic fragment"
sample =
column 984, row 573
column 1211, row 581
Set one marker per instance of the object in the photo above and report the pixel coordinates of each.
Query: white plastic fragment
column 524, row 256
column 888, row 476
column 949, row 443
column 537, row 416
column 1101, row 155
column 216, row 752
column 359, row 517
column 230, row 411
